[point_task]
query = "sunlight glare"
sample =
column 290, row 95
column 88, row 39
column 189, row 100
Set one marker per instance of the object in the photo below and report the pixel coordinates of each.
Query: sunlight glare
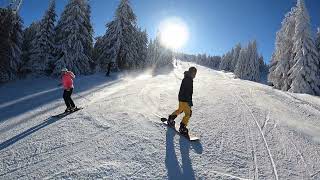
column 174, row 33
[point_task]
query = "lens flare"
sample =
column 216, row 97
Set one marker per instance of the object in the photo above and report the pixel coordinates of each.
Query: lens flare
column 174, row 33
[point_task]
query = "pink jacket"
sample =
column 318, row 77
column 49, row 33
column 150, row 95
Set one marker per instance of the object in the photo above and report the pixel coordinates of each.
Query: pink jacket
column 67, row 80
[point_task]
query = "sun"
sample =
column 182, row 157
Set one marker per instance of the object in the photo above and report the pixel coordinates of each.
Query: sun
column 174, row 33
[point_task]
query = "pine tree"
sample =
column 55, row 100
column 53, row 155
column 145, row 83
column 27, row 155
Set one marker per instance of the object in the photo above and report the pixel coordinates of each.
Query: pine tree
column 254, row 64
column 97, row 50
column 142, row 48
column 120, row 38
column 88, row 46
column 201, row 58
column 242, row 61
column 209, row 61
column 318, row 40
column 150, row 51
column 158, row 55
column 235, row 57
column 215, row 62
column 226, row 61
column 10, row 44
column 281, row 59
column 305, row 74
column 262, row 64
column 74, row 38
column 42, row 58
column 248, row 66
column 29, row 36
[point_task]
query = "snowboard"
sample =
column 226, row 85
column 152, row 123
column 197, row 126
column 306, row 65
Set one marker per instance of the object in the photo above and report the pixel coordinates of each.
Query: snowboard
column 64, row 114
column 190, row 136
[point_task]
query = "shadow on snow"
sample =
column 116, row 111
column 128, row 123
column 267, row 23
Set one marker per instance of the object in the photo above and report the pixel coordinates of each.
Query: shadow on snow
column 174, row 171
column 23, row 96
column 28, row 132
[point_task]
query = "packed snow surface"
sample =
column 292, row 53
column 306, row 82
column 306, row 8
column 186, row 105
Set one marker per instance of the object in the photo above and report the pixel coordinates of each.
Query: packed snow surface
column 247, row 130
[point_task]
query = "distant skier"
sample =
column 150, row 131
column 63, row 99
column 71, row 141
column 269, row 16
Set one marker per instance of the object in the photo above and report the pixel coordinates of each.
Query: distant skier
column 67, row 82
column 110, row 64
column 185, row 101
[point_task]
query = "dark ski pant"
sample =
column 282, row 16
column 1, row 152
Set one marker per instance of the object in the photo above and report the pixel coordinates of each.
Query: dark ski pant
column 67, row 98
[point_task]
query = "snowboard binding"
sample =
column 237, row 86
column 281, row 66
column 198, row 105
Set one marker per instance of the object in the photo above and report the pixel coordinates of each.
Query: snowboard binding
column 183, row 130
column 171, row 121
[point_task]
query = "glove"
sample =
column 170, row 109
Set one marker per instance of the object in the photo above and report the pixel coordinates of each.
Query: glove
column 190, row 104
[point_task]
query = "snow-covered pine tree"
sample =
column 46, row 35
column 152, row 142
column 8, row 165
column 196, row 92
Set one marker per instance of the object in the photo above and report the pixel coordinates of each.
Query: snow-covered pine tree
column 248, row 64
column 74, row 38
column 166, row 58
column 242, row 62
column 198, row 58
column 201, row 59
column 215, row 62
column 262, row 64
column 209, row 61
column 226, row 61
column 97, row 51
column 282, row 56
column 223, row 63
column 236, row 53
column 264, row 69
column 42, row 57
column 120, row 38
column 318, row 40
column 254, row 63
column 158, row 55
column 142, row 48
column 206, row 60
column 88, row 47
column 10, row 44
column 150, row 53
column 305, row 74
column 29, row 35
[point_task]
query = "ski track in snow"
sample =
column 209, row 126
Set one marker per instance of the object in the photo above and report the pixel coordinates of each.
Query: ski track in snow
column 247, row 130
column 262, row 135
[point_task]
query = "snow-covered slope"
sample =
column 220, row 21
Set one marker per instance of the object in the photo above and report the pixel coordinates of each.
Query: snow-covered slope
column 247, row 130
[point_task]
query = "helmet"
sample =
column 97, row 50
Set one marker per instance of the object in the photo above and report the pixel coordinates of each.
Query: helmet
column 193, row 69
column 64, row 70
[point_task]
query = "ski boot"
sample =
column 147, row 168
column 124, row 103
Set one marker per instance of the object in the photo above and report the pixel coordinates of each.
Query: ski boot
column 183, row 129
column 171, row 121
column 73, row 109
column 67, row 110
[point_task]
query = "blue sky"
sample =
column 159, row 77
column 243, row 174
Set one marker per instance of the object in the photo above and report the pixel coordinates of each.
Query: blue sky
column 215, row 25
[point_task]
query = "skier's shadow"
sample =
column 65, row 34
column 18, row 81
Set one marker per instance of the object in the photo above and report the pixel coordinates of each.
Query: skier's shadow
column 175, row 172
column 28, row 132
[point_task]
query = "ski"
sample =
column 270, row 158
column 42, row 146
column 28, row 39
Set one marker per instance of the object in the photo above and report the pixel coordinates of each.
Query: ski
column 190, row 136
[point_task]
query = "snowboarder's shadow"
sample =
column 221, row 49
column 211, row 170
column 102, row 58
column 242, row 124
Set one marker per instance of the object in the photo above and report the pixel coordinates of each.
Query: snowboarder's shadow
column 174, row 170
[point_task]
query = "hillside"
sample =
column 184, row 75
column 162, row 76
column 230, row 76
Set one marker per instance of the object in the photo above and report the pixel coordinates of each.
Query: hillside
column 247, row 130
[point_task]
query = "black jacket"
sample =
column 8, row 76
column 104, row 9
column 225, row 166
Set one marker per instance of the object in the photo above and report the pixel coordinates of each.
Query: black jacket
column 186, row 89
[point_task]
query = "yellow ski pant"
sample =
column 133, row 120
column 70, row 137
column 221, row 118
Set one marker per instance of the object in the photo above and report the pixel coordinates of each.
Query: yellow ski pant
column 184, row 107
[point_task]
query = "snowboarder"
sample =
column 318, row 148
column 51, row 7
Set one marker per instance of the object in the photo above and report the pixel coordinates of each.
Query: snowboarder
column 67, row 82
column 185, row 101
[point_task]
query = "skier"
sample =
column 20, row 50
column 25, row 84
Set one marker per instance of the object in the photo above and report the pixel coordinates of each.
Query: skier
column 67, row 82
column 185, row 101
column 110, row 64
